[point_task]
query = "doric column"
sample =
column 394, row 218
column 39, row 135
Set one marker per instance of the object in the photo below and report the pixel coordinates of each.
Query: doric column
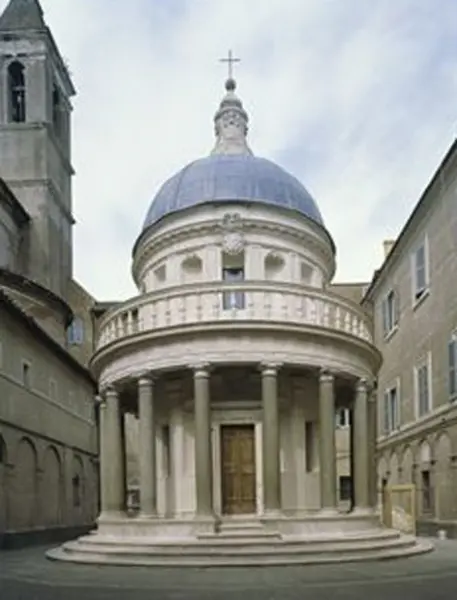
column 147, row 454
column 372, row 444
column 270, row 439
column 327, row 441
column 111, row 457
column 203, row 454
column 361, row 447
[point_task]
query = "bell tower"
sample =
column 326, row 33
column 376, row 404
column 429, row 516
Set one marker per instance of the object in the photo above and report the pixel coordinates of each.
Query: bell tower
column 35, row 139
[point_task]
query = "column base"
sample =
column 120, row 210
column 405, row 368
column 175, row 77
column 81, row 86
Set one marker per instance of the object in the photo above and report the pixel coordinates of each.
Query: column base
column 329, row 511
column 271, row 513
column 147, row 516
column 363, row 511
column 112, row 515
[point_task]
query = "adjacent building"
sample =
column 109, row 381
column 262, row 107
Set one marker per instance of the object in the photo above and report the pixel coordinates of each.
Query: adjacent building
column 48, row 434
column 413, row 297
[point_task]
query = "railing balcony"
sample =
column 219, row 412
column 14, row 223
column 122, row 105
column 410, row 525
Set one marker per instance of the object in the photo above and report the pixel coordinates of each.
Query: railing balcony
column 266, row 302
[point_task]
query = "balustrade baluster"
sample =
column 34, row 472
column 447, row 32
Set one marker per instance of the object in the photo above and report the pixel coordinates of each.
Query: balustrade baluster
column 326, row 315
column 129, row 323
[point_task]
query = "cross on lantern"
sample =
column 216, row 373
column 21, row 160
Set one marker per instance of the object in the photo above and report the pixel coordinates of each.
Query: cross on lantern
column 230, row 61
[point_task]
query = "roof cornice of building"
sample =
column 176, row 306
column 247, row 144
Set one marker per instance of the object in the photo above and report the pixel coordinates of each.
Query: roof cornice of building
column 29, row 323
column 448, row 162
column 13, row 206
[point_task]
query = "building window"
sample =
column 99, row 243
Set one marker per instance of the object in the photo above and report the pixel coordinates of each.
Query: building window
column 235, row 298
column 452, row 354
column 391, row 409
column 420, row 271
column 75, row 333
column 16, row 92
column 423, row 387
column 343, row 418
column 56, row 110
column 345, row 485
column 26, row 370
column 390, row 312
column 426, row 491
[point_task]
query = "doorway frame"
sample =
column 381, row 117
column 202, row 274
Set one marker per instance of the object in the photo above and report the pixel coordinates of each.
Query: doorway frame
column 220, row 419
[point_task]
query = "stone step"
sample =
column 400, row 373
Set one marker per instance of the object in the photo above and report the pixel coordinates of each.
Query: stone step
column 199, row 549
column 208, row 560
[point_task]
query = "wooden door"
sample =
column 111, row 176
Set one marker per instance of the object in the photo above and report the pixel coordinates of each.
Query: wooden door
column 238, row 469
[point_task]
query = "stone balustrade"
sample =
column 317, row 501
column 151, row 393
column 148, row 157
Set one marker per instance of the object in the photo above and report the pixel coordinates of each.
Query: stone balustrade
column 266, row 302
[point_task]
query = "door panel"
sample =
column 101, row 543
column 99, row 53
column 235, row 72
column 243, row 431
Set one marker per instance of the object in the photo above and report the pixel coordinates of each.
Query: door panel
column 238, row 469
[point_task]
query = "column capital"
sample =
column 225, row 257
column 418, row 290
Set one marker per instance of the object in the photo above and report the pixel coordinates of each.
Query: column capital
column 99, row 401
column 269, row 369
column 326, row 376
column 362, row 386
column 110, row 391
column 201, row 370
column 146, row 380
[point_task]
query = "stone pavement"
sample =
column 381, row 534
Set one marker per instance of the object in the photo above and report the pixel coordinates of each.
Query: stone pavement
column 27, row 574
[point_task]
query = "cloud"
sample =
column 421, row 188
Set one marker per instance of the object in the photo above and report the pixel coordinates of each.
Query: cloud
column 357, row 99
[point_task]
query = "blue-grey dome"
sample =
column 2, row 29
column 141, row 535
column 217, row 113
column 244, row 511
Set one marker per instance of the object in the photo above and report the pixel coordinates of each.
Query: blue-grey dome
column 234, row 178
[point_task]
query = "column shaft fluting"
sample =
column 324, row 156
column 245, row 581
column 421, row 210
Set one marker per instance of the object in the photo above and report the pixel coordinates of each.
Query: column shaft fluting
column 112, row 484
column 147, row 455
column 361, row 447
column 327, row 441
column 203, row 454
column 270, row 440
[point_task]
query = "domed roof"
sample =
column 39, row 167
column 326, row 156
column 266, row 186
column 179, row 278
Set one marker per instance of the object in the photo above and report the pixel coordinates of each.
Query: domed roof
column 231, row 173
column 234, row 178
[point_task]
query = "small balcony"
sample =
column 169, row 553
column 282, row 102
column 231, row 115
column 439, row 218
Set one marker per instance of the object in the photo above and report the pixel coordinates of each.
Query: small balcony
column 243, row 302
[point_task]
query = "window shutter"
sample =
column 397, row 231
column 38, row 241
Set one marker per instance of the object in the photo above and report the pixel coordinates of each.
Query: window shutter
column 396, row 307
column 420, row 269
column 452, row 353
column 386, row 413
column 385, row 324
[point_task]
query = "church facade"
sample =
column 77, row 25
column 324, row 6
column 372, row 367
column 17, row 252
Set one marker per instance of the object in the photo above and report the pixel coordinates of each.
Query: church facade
column 48, row 433
column 235, row 357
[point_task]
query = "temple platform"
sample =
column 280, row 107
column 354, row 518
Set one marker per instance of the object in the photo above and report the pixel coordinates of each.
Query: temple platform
column 240, row 542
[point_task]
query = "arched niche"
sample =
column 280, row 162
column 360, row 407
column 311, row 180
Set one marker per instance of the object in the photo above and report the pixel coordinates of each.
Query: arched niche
column 160, row 275
column 445, row 486
column 191, row 268
column 274, row 266
column 23, row 498
column 51, row 487
column 407, row 461
column 306, row 273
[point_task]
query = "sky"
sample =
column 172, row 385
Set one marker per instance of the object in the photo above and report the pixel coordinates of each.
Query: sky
column 356, row 98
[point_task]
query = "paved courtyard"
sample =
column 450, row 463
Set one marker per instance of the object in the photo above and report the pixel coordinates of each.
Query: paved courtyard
column 26, row 574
